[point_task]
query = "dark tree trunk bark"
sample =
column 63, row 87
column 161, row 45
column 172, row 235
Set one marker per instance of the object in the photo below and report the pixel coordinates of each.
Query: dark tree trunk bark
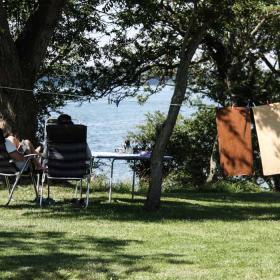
column 212, row 176
column 275, row 182
column 17, row 108
column 19, row 64
column 188, row 49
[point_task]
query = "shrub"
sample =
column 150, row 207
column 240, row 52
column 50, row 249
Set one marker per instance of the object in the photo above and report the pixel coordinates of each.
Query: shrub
column 100, row 183
column 232, row 186
column 191, row 145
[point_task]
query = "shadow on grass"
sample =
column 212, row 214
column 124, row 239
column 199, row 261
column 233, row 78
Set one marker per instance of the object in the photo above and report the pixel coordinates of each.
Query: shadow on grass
column 264, row 197
column 51, row 255
column 60, row 255
column 188, row 206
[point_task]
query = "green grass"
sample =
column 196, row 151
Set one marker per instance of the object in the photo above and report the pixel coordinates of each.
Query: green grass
column 193, row 236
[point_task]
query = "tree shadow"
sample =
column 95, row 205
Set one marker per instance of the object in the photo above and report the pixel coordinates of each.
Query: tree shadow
column 260, row 197
column 43, row 255
column 187, row 206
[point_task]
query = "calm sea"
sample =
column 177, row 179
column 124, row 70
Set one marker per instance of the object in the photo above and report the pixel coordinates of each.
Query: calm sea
column 108, row 124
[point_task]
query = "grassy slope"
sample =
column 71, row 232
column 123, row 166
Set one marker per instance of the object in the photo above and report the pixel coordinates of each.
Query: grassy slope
column 193, row 236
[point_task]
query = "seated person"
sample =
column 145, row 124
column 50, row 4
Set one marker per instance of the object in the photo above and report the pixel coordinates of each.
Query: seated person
column 12, row 151
column 16, row 148
column 65, row 119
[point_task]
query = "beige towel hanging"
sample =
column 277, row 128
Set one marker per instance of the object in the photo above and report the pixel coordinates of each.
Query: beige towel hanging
column 267, row 120
column 235, row 143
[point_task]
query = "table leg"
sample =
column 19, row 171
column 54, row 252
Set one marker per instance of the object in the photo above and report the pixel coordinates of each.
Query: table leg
column 133, row 181
column 111, row 180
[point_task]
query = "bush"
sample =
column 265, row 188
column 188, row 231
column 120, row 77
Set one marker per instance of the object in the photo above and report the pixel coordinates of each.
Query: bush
column 232, row 187
column 123, row 187
column 100, row 183
column 191, row 145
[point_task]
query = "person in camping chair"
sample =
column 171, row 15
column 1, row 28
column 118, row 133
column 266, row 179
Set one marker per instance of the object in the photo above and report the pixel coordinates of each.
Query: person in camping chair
column 16, row 148
column 65, row 119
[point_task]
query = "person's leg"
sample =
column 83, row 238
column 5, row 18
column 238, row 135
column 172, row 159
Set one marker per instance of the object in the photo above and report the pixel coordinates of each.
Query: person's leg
column 30, row 147
column 32, row 150
column 38, row 149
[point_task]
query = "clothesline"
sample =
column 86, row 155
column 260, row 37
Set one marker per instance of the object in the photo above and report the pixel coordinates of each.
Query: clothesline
column 53, row 93
column 80, row 96
column 44, row 92
column 75, row 95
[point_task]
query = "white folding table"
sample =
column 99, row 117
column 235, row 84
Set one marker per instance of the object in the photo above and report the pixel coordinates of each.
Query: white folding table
column 123, row 156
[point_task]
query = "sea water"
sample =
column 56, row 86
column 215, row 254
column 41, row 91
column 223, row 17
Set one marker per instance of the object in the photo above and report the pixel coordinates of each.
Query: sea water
column 108, row 124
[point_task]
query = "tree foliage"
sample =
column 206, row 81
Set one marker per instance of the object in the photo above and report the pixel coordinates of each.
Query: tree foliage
column 238, row 57
column 239, row 62
column 129, row 42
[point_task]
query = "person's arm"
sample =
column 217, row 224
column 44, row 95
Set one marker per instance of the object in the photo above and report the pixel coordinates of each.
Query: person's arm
column 14, row 140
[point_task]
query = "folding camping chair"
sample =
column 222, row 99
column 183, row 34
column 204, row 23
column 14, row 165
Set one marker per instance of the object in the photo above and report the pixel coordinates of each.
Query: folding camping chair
column 8, row 169
column 66, row 156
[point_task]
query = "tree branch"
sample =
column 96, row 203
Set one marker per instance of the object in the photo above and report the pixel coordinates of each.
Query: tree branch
column 268, row 64
column 32, row 43
column 257, row 27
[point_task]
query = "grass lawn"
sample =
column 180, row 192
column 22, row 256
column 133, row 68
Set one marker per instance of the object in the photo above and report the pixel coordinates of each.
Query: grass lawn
column 193, row 236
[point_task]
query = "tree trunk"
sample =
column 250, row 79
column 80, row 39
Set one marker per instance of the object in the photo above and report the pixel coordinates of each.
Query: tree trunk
column 17, row 108
column 212, row 176
column 19, row 111
column 19, row 64
column 189, row 46
column 275, row 182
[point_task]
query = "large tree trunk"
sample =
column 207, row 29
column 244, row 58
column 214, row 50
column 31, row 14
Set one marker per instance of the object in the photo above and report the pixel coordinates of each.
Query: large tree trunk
column 274, row 183
column 188, row 49
column 17, row 108
column 19, row 111
column 20, row 61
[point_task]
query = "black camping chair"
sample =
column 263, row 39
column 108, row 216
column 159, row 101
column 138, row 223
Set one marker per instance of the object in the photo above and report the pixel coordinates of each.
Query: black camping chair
column 8, row 169
column 66, row 156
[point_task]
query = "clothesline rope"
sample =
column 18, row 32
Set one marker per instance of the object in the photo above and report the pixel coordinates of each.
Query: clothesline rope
column 44, row 92
column 74, row 95
column 56, row 93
